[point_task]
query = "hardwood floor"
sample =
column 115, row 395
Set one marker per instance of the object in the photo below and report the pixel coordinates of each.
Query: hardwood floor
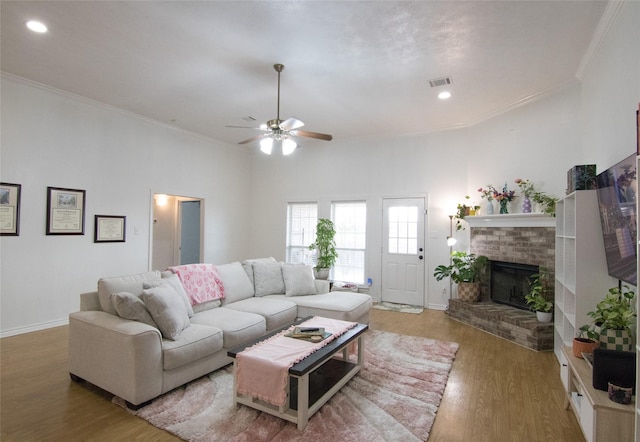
column 497, row 391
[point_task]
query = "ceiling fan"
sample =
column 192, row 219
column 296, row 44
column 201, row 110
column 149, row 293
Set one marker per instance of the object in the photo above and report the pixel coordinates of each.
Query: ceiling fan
column 281, row 131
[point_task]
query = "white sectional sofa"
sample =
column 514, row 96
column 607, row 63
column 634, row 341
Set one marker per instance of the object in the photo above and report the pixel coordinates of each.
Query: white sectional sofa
column 138, row 336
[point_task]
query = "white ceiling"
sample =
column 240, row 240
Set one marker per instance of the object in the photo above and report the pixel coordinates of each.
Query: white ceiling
column 352, row 68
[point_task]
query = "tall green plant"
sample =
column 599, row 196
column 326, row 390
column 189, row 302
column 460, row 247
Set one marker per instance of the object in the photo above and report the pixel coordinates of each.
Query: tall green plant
column 465, row 267
column 325, row 244
column 537, row 297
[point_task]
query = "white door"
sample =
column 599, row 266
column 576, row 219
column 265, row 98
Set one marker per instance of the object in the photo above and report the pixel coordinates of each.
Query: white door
column 403, row 254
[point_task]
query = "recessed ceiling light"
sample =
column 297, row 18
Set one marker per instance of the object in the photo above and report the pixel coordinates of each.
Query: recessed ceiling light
column 444, row 95
column 37, row 26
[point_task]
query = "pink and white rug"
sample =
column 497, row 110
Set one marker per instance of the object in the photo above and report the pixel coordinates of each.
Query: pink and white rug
column 395, row 397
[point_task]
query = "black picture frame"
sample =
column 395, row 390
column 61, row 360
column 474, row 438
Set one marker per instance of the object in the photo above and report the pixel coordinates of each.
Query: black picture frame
column 65, row 211
column 110, row 228
column 10, row 209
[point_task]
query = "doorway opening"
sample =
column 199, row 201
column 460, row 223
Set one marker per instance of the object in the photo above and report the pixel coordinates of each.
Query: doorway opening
column 177, row 230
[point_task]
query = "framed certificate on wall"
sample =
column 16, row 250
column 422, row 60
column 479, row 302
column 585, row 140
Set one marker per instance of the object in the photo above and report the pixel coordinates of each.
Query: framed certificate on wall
column 10, row 209
column 65, row 211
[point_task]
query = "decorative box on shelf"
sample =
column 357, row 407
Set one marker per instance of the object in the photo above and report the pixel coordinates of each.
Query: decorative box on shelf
column 581, row 177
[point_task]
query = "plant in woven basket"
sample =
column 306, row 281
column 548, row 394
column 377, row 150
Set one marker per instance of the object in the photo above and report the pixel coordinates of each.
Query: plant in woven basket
column 614, row 312
column 464, row 267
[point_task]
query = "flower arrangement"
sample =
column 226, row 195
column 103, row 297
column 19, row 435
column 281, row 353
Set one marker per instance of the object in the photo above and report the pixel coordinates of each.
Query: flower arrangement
column 526, row 187
column 505, row 195
column 487, row 193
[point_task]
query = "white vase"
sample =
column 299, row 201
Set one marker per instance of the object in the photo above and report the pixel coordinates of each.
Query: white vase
column 544, row 316
column 489, row 208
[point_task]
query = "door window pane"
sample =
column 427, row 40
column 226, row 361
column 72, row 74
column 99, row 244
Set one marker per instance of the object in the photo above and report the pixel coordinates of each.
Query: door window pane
column 403, row 230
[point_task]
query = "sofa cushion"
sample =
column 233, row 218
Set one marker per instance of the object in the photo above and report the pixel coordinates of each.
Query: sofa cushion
column 129, row 306
column 117, row 284
column 173, row 281
column 345, row 306
column 236, row 282
column 238, row 327
column 195, row 342
column 298, row 280
column 167, row 310
column 276, row 312
column 247, row 265
column 267, row 278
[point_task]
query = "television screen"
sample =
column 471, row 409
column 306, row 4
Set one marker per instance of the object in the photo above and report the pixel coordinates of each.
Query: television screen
column 617, row 204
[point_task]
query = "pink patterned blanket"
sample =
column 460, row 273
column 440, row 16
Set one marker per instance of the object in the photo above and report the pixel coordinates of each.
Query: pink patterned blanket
column 200, row 281
column 263, row 369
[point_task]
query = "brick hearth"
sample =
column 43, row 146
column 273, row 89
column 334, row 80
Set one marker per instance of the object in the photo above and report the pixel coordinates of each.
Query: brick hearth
column 516, row 325
column 523, row 245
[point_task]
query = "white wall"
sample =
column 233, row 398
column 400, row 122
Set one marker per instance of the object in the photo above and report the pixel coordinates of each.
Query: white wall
column 53, row 139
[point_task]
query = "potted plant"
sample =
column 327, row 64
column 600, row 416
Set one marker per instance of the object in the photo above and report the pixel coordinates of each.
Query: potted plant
column 464, row 270
column 537, row 298
column 463, row 210
column 582, row 343
column 325, row 246
column 612, row 320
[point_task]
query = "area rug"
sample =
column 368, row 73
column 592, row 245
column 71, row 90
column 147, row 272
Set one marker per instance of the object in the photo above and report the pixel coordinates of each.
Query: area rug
column 402, row 308
column 394, row 397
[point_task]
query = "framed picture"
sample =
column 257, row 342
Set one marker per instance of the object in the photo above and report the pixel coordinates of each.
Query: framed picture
column 65, row 211
column 10, row 209
column 638, row 131
column 110, row 228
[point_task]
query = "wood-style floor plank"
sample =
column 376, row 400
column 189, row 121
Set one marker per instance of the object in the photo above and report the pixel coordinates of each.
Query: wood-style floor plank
column 497, row 391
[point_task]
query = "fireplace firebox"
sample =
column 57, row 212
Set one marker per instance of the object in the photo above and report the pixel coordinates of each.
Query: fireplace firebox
column 510, row 282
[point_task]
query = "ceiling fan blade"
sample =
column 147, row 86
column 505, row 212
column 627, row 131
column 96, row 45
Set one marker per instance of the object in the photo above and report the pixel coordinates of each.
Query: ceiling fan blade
column 304, row 133
column 246, row 127
column 291, row 124
column 256, row 138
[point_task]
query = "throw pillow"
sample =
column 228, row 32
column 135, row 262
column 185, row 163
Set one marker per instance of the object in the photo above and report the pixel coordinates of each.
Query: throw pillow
column 129, row 306
column 174, row 282
column 247, row 265
column 267, row 278
column 117, row 284
column 298, row 280
column 167, row 310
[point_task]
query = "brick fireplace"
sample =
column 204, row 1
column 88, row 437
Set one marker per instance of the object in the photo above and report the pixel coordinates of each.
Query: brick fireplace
column 520, row 239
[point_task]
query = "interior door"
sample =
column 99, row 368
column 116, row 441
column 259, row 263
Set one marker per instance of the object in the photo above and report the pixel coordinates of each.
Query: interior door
column 189, row 232
column 403, row 254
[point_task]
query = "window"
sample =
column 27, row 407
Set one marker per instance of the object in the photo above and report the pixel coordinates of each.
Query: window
column 403, row 230
column 350, row 221
column 301, row 230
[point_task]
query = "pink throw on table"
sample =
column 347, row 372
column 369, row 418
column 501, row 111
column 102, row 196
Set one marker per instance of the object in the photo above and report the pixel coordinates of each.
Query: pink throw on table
column 200, row 281
column 263, row 369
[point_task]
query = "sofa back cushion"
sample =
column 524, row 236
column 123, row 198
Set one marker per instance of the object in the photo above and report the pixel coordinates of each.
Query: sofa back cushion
column 130, row 283
column 236, row 282
column 174, row 282
column 247, row 265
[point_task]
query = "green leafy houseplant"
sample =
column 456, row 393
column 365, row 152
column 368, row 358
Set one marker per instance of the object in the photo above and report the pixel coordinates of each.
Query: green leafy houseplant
column 463, row 210
column 464, row 267
column 325, row 244
column 614, row 312
column 546, row 202
column 537, row 298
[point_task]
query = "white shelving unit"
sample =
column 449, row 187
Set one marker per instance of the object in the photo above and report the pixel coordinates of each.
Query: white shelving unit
column 581, row 268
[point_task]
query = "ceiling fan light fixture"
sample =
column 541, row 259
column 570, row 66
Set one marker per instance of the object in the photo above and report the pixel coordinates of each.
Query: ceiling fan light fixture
column 288, row 146
column 266, row 145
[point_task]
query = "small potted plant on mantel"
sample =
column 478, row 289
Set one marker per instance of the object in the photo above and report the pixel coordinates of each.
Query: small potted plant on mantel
column 612, row 320
column 537, row 298
column 325, row 246
column 464, row 270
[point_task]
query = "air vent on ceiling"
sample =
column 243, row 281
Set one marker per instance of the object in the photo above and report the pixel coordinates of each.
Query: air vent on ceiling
column 440, row 81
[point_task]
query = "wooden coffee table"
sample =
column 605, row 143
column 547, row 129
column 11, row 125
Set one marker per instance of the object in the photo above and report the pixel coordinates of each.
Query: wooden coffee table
column 312, row 381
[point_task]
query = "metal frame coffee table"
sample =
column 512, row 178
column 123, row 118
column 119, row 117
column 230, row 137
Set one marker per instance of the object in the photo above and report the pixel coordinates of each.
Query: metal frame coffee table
column 312, row 381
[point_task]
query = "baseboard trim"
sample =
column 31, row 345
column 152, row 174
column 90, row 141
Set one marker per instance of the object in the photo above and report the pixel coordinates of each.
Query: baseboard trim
column 33, row 328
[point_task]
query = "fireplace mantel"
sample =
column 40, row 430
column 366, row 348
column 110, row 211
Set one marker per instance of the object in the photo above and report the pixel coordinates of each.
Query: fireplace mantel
column 512, row 220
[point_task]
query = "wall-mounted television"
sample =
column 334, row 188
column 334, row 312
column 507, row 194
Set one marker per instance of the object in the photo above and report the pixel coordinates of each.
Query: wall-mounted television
column 617, row 202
